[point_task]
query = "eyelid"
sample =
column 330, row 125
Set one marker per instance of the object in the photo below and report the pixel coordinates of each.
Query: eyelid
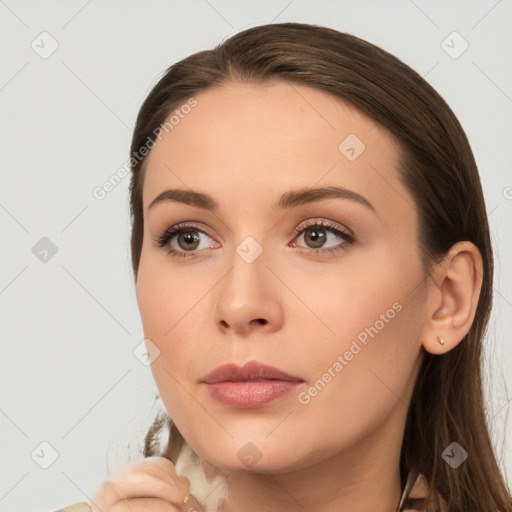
column 324, row 223
column 172, row 231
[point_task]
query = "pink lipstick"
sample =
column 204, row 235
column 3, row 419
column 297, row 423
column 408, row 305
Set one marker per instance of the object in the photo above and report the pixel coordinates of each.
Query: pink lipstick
column 249, row 386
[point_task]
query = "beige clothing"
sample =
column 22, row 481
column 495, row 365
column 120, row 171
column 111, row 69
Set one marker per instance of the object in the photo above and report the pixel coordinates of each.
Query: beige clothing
column 418, row 490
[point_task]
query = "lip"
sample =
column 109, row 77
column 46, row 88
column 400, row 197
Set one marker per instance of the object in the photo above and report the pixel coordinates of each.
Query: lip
column 249, row 386
column 252, row 370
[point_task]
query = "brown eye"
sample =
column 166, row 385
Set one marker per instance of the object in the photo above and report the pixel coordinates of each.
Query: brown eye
column 188, row 240
column 185, row 240
column 322, row 237
column 315, row 237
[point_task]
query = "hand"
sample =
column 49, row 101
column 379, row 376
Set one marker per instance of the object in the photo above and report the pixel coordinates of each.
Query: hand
column 148, row 486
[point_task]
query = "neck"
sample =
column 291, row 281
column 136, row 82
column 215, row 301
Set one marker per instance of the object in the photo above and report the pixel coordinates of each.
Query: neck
column 363, row 478
column 376, row 490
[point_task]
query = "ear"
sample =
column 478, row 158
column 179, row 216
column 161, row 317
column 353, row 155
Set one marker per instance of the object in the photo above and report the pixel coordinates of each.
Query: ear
column 453, row 293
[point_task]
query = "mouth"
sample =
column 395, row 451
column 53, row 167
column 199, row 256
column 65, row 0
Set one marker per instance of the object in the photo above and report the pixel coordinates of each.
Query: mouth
column 250, row 386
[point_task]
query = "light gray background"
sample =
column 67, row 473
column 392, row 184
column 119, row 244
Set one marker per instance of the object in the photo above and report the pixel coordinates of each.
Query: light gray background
column 69, row 325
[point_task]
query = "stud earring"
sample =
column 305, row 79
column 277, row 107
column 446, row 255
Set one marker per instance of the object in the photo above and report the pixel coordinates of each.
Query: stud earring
column 441, row 340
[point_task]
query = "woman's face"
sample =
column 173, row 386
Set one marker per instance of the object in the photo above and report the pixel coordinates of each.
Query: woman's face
column 339, row 306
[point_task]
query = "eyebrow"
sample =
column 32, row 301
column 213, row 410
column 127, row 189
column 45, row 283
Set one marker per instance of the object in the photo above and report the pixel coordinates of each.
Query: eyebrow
column 288, row 200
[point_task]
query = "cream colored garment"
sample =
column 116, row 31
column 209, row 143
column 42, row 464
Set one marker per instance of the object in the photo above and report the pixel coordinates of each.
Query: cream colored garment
column 212, row 492
column 77, row 507
column 419, row 490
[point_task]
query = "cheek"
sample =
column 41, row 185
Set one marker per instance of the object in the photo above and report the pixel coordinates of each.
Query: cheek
column 359, row 385
column 171, row 305
column 166, row 306
column 166, row 300
column 163, row 311
column 365, row 294
column 364, row 369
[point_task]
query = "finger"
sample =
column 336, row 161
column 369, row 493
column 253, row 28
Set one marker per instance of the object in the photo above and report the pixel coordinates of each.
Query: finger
column 159, row 467
column 192, row 505
column 140, row 485
column 144, row 505
column 155, row 465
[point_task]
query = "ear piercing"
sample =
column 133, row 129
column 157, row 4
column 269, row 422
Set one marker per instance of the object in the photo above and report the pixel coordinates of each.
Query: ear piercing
column 441, row 340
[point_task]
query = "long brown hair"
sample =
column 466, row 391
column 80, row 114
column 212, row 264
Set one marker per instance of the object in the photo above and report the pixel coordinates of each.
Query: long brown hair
column 436, row 165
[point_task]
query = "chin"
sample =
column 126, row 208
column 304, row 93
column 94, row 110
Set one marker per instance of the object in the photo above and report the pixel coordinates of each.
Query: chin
column 254, row 455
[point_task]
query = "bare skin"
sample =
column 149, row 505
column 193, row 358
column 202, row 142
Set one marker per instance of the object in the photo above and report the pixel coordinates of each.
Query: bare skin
column 151, row 485
column 293, row 308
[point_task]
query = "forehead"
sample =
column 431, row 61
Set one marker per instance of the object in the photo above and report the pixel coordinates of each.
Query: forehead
column 243, row 140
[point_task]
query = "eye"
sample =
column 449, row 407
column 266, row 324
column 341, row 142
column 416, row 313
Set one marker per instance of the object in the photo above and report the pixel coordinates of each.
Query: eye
column 186, row 240
column 316, row 236
column 182, row 239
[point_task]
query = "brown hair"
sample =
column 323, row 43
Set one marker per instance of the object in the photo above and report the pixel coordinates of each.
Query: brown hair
column 436, row 165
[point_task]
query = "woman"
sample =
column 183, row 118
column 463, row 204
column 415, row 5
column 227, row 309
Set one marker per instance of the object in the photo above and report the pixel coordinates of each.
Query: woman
column 314, row 274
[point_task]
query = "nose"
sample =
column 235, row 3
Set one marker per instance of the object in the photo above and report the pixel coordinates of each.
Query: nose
column 248, row 299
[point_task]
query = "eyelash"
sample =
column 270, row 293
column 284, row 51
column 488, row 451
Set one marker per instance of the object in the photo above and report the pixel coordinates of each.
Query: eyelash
column 163, row 239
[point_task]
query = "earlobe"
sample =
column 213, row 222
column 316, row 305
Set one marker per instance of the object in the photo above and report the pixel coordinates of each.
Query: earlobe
column 453, row 293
